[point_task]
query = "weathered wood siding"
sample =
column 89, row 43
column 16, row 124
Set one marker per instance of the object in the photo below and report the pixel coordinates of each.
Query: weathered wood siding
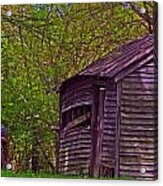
column 74, row 152
column 138, row 129
column 75, row 142
column 77, row 92
column 108, row 146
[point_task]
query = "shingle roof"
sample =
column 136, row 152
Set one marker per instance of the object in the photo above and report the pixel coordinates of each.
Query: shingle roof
column 121, row 58
column 121, row 61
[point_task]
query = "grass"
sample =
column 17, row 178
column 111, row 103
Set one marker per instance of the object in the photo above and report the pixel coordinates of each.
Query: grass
column 30, row 174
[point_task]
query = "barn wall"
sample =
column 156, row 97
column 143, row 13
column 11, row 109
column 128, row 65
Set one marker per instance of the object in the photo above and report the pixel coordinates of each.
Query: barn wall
column 77, row 92
column 75, row 142
column 138, row 141
column 108, row 146
column 74, row 152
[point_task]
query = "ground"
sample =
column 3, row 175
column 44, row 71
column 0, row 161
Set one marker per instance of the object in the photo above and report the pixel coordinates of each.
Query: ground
column 30, row 174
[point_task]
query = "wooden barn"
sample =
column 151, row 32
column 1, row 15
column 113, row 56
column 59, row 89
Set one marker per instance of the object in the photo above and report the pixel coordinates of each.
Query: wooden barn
column 108, row 115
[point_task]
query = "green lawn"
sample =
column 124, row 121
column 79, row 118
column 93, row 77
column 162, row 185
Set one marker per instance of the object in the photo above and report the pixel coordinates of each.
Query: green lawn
column 30, row 174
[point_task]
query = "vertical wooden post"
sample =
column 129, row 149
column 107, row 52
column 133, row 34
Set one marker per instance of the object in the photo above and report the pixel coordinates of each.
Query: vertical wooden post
column 100, row 123
column 97, row 132
column 93, row 130
column 118, row 122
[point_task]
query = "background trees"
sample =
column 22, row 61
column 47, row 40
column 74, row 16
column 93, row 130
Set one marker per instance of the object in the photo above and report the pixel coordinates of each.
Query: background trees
column 42, row 45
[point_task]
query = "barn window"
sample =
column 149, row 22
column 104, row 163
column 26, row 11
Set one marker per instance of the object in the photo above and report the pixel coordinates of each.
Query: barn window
column 76, row 116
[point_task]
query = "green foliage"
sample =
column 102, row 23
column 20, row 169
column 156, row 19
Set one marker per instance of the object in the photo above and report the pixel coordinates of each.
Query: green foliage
column 27, row 174
column 42, row 45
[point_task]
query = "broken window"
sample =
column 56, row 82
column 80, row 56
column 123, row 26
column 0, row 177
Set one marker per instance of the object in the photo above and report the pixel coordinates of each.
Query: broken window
column 76, row 116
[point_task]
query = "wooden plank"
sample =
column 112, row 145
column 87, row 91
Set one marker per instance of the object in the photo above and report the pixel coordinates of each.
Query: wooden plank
column 111, row 93
column 71, row 139
column 137, row 168
column 142, row 145
column 142, row 150
column 137, row 174
column 78, row 138
column 139, row 97
column 75, row 162
column 94, row 130
column 79, row 165
column 139, row 103
column 109, row 122
column 71, row 131
column 76, row 104
column 147, row 75
column 108, row 144
column 76, row 94
column 138, row 139
column 109, row 161
column 73, row 148
column 109, row 138
column 140, row 92
column 67, row 145
column 139, row 122
column 111, row 98
column 139, row 85
column 109, row 132
column 75, row 166
column 148, row 69
column 139, row 110
column 139, row 127
column 117, row 124
column 77, row 121
column 74, row 171
column 138, row 80
column 107, row 149
column 109, row 154
column 68, row 160
column 152, row 157
column 143, row 158
column 138, row 115
column 110, row 115
column 109, row 104
column 75, row 135
column 109, row 126
column 81, row 157
column 83, row 129
column 136, row 163
column 100, row 136
column 75, row 132
column 153, row 65
column 139, row 134
column 75, row 152
column 67, row 104
column 111, row 111
column 77, row 87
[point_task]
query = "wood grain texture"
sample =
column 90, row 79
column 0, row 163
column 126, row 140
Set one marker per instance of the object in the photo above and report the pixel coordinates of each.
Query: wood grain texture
column 138, row 144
